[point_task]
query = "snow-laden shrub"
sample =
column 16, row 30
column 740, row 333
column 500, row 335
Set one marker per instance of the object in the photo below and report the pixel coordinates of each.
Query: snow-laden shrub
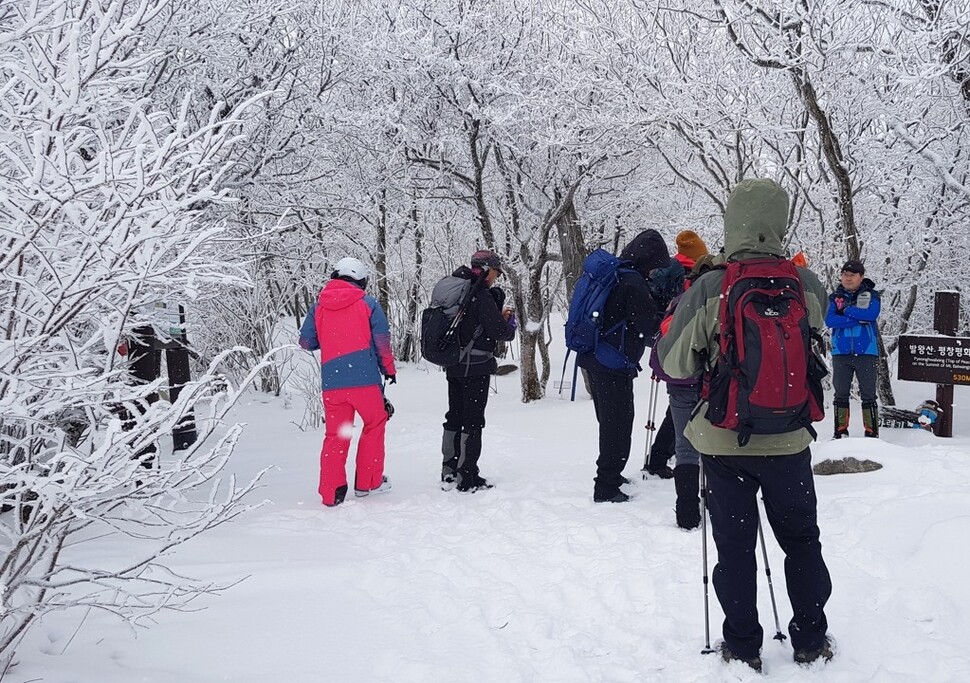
column 102, row 214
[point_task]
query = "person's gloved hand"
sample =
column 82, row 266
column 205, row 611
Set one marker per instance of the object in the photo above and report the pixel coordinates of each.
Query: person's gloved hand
column 391, row 379
column 513, row 323
column 840, row 305
column 498, row 296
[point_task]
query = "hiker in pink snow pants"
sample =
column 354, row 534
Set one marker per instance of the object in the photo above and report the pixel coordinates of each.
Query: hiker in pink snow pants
column 350, row 329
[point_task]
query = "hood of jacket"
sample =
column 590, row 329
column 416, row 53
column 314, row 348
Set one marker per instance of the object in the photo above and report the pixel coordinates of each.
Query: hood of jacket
column 647, row 251
column 338, row 294
column 755, row 220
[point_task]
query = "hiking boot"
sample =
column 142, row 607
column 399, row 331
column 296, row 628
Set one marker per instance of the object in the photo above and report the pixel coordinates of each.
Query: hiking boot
column 728, row 657
column 664, row 472
column 476, row 484
column 338, row 496
column 384, row 486
column 687, row 508
column 618, row 497
column 840, row 433
column 824, row 652
column 448, row 482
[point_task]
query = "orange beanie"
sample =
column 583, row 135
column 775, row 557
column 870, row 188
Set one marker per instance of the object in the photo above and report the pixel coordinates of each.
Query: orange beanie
column 690, row 244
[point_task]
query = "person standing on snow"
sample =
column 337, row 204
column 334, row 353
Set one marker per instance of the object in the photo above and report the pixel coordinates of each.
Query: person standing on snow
column 853, row 309
column 779, row 465
column 631, row 312
column 485, row 323
column 350, row 329
column 683, row 395
column 690, row 247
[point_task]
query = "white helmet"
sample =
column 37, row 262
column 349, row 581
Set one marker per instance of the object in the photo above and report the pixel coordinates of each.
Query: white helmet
column 349, row 267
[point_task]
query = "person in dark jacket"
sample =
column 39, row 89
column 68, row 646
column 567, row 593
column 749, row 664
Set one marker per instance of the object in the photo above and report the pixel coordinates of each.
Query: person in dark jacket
column 630, row 302
column 485, row 323
column 690, row 247
column 683, row 395
column 853, row 309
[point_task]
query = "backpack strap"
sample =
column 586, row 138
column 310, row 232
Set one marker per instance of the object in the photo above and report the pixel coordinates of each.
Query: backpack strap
column 453, row 328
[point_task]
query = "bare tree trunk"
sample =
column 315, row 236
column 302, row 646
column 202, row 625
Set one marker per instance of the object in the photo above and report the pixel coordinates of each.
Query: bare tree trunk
column 409, row 345
column 572, row 245
column 380, row 258
column 479, row 159
column 884, row 386
column 533, row 386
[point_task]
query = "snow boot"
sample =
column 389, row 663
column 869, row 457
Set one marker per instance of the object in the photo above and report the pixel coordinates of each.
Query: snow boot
column 662, row 471
column 449, row 464
column 688, row 506
column 728, row 657
column 870, row 419
column 618, row 497
column 475, row 484
column 384, row 486
column 824, row 652
column 338, row 496
column 841, row 420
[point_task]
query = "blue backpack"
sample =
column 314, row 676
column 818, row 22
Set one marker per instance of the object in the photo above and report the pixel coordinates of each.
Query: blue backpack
column 584, row 324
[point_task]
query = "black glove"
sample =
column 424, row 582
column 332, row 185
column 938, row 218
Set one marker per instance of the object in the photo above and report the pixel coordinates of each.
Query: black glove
column 498, row 295
column 391, row 379
column 389, row 407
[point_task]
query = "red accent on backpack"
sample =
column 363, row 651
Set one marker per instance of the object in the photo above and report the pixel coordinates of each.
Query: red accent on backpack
column 767, row 379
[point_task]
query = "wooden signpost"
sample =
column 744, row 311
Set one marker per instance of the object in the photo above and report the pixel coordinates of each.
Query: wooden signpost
column 943, row 359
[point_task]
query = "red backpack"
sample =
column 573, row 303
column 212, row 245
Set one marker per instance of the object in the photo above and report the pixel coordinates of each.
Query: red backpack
column 767, row 379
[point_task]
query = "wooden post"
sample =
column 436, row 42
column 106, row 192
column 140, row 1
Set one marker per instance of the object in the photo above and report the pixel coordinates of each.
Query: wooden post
column 946, row 313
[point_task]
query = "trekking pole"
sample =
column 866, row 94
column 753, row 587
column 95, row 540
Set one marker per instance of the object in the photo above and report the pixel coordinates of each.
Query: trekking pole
column 707, row 618
column 651, row 425
column 779, row 636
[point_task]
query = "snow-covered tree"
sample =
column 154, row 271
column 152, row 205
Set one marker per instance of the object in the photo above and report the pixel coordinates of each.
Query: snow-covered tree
column 103, row 214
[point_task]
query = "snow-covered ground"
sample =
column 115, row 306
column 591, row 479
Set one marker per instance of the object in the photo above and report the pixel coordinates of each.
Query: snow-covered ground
column 531, row 581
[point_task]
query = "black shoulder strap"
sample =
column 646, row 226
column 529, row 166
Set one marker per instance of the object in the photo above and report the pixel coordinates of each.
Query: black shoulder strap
column 453, row 327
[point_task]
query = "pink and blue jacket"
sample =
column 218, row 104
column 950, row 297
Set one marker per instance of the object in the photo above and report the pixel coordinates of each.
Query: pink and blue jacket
column 350, row 329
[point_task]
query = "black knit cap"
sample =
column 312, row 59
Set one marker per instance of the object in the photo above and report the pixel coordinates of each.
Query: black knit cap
column 853, row 266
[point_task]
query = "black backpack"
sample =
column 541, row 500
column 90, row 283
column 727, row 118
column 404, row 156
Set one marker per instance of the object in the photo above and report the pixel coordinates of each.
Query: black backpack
column 439, row 321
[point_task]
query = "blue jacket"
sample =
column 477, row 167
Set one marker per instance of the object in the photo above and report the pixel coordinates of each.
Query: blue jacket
column 854, row 329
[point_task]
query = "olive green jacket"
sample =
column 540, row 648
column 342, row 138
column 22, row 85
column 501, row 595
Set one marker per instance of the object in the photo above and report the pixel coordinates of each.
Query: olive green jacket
column 754, row 225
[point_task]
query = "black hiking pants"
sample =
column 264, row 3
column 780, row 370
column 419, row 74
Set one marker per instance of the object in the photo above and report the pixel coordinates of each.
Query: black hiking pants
column 865, row 369
column 788, row 491
column 465, row 420
column 664, row 441
column 613, row 401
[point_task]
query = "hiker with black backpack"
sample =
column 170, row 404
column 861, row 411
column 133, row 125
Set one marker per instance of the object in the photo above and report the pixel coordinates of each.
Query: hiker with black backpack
column 628, row 320
column 852, row 313
column 480, row 320
column 751, row 325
